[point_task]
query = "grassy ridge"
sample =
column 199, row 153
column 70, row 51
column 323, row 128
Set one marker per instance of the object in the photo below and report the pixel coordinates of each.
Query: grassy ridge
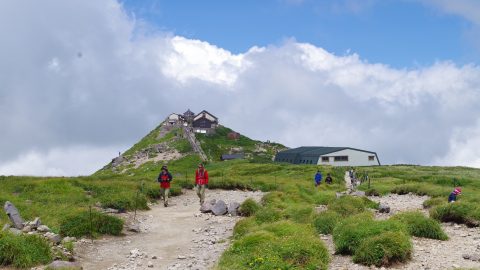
column 289, row 205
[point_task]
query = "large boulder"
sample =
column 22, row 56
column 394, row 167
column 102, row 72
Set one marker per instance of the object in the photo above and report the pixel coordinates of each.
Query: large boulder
column 220, row 208
column 233, row 208
column 13, row 215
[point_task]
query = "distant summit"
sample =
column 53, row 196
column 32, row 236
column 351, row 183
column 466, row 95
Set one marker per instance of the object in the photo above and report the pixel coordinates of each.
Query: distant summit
column 190, row 135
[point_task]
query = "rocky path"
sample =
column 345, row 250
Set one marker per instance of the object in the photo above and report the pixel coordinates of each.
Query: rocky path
column 176, row 237
column 427, row 253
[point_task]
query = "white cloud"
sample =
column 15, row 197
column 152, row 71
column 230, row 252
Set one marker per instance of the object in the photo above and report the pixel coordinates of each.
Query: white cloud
column 469, row 9
column 92, row 78
column 77, row 160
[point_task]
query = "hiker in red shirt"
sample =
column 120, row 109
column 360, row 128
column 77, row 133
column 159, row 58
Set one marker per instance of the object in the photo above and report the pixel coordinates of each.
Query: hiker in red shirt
column 164, row 178
column 201, row 182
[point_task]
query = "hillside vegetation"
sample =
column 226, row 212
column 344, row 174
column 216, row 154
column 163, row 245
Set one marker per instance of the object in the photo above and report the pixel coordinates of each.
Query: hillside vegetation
column 279, row 233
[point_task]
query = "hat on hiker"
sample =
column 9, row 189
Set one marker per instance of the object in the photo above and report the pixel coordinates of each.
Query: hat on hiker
column 164, row 167
column 457, row 190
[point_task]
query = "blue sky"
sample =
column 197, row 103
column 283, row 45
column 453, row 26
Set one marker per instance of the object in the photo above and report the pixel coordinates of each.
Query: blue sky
column 401, row 34
column 400, row 78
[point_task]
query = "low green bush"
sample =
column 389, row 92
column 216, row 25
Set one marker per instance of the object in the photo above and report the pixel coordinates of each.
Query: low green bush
column 349, row 205
column 372, row 192
column 279, row 245
column 421, row 226
column 249, row 207
column 22, row 251
column 244, row 226
column 385, row 249
column 326, row 221
column 435, row 201
column 349, row 233
column 86, row 223
column 458, row 212
column 299, row 213
column 124, row 201
column 267, row 214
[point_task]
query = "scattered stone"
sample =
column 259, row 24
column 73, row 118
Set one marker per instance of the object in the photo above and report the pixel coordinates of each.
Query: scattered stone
column 206, row 207
column 150, row 264
column 358, row 193
column 110, row 211
column 35, row 223
column 43, row 228
column 65, row 265
column 154, row 257
column 135, row 227
column 53, row 237
column 220, row 208
column 383, row 208
column 27, row 229
column 181, row 257
column 6, row 227
column 233, row 208
column 69, row 239
column 13, row 215
column 321, row 208
column 15, row 231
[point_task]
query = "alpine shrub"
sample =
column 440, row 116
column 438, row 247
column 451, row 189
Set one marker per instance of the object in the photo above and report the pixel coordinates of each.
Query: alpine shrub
column 421, row 226
column 466, row 213
column 249, row 207
column 385, row 249
column 326, row 221
column 349, row 234
column 22, row 251
column 94, row 223
column 349, row 205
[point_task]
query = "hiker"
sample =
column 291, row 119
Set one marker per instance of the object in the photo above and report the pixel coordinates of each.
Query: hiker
column 453, row 196
column 328, row 179
column 164, row 178
column 201, row 182
column 318, row 178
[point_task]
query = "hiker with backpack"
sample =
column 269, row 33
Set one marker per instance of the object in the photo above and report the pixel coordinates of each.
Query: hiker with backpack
column 164, row 178
column 318, row 178
column 201, row 182
column 453, row 196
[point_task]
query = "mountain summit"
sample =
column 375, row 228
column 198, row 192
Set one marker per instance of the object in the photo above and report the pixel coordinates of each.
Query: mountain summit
column 190, row 135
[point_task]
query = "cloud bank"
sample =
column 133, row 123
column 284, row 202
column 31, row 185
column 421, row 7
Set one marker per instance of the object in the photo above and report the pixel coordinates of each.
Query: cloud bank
column 82, row 80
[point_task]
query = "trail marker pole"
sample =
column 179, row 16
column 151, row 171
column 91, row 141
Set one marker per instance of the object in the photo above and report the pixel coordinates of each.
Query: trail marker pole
column 136, row 199
column 368, row 181
column 91, row 222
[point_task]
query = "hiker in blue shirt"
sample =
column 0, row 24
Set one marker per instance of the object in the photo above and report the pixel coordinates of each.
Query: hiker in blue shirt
column 318, row 178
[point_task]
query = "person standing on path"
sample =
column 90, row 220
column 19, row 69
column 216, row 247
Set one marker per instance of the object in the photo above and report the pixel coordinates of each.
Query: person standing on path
column 318, row 178
column 164, row 178
column 201, row 182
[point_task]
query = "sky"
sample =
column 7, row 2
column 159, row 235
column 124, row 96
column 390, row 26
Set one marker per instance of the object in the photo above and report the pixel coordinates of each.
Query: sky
column 82, row 80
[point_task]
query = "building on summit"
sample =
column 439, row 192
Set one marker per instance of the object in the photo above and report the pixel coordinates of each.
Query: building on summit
column 336, row 156
column 203, row 122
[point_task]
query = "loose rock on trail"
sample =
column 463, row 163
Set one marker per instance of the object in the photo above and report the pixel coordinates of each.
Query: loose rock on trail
column 175, row 237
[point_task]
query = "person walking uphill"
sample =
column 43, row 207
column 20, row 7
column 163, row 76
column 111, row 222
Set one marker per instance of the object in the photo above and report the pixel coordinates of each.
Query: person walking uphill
column 164, row 178
column 318, row 178
column 201, row 182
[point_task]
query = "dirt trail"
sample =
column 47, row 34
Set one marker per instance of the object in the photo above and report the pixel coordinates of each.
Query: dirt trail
column 176, row 237
column 427, row 253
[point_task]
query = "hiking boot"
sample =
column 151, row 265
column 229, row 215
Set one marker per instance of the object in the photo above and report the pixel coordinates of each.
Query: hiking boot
column 165, row 204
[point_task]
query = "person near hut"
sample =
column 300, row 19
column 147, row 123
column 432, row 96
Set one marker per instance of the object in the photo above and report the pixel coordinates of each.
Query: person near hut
column 164, row 178
column 453, row 195
column 318, row 178
column 328, row 179
column 201, row 182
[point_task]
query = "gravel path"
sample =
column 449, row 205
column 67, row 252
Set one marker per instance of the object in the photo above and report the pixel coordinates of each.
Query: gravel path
column 176, row 237
column 427, row 253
